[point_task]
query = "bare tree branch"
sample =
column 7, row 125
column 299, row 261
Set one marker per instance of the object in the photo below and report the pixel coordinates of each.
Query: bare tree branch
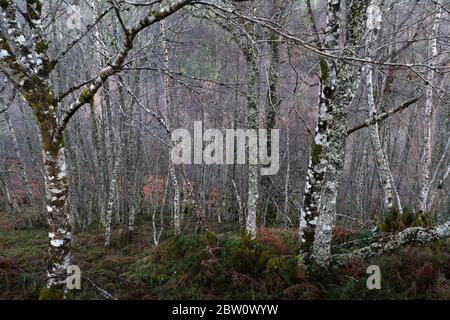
column 382, row 116
column 89, row 91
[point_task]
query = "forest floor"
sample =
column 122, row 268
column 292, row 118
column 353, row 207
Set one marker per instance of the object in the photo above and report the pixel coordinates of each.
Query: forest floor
column 218, row 264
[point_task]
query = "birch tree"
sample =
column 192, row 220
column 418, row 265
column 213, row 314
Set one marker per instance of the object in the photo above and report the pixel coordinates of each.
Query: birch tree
column 28, row 64
column 338, row 83
column 428, row 113
column 374, row 19
column 167, row 116
column 273, row 95
column 253, row 119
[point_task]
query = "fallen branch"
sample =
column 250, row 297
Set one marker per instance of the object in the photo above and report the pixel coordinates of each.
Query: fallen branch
column 357, row 242
column 103, row 292
column 410, row 235
column 382, row 116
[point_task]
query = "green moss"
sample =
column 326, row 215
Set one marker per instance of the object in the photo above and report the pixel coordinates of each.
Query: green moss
column 222, row 265
column 86, row 96
column 316, row 152
column 424, row 219
column 288, row 269
column 249, row 257
column 41, row 47
column 390, row 220
column 211, row 237
column 393, row 221
column 355, row 22
column 324, row 69
column 407, row 218
column 4, row 4
column 51, row 294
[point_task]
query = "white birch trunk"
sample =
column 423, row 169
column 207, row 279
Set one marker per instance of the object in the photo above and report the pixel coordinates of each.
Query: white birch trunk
column 437, row 184
column 339, row 83
column 427, row 116
column 252, row 201
column 110, row 200
column 253, row 123
column 318, row 163
column 288, row 173
column 374, row 26
column 167, row 103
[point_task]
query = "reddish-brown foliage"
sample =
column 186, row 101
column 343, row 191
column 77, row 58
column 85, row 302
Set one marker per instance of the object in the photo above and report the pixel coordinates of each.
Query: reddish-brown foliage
column 355, row 268
column 303, row 291
column 8, row 271
column 271, row 237
column 341, row 235
column 209, row 262
column 240, row 280
column 155, row 185
column 206, row 295
column 425, row 276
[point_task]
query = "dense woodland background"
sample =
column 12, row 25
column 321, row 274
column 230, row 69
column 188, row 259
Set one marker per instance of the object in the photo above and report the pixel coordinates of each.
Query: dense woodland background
column 359, row 90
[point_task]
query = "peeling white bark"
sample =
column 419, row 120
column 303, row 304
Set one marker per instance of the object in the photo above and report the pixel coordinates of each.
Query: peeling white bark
column 339, row 84
column 60, row 234
column 410, row 235
column 374, row 18
column 167, row 118
column 288, row 173
column 253, row 197
column 110, row 200
column 23, row 58
column 427, row 115
column 318, row 162
column 253, row 120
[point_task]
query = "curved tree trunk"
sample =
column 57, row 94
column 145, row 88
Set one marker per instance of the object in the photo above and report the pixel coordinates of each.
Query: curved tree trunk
column 380, row 156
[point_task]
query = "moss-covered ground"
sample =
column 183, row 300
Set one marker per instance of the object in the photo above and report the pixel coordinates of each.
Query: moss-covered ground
column 218, row 264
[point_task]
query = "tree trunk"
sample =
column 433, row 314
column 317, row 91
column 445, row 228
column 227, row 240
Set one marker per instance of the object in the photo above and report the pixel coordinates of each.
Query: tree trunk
column 110, row 200
column 317, row 161
column 427, row 115
column 380, row 156
column 273, row 95
column 253, row 123
column 288, row 174
column 56, row 186
column 167, row 104
column 338, row 85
